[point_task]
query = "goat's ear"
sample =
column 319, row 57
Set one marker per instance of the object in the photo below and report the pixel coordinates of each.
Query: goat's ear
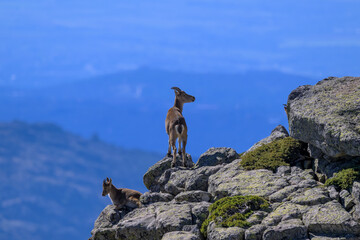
column 176, row 89
column 104, row 182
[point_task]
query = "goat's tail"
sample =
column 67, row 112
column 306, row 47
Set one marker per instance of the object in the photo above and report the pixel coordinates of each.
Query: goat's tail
column 179, row 128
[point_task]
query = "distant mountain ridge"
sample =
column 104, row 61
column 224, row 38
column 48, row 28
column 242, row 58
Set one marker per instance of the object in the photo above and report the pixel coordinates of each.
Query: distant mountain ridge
column 51, row 180
column 129, row 108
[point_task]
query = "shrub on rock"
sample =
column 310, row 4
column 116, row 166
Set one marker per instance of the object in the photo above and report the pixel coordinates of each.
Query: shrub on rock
column 233, row 211
column 278, row 153
column 344, row 179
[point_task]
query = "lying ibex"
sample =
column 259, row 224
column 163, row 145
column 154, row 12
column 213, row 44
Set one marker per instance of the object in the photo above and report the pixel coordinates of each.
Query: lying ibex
column 121, row 197
column 176, row 126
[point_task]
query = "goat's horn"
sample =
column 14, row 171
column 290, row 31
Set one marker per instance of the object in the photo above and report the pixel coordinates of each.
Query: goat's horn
column 176, row 89
column 107, row 179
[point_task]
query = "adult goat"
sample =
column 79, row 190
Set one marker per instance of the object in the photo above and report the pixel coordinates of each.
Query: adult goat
column 176, row 126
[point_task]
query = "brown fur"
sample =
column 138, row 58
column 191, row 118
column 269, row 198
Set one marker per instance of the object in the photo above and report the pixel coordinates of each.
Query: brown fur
column 121, row 196
column 176, row 126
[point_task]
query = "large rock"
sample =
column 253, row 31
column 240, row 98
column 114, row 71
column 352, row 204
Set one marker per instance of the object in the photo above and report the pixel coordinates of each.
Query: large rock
column 232, row 180
column 216, row 156
column 180, row 235
column 154, row 172
column 330, row 218
column 153, row 197
column 193, row 196
column 277, row 133
column 327, row 115
column 220, row 233
column 151, row 222
column 292, row 229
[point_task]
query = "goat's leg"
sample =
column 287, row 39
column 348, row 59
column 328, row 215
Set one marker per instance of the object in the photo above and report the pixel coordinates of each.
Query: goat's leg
column 173, row 145
column 184, row 140
column 169, row 149
column 180, row 152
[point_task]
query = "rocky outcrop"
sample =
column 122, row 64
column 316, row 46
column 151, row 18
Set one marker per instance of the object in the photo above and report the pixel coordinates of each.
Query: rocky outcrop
column 299, row 204
column 327, row 115
column 278, row 133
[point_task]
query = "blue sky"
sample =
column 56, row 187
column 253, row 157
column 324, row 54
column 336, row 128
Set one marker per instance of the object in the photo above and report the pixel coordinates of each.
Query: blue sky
column 52, row 41
column 106, row 67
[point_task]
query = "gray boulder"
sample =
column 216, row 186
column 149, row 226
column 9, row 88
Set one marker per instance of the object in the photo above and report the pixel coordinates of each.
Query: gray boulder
column 232, row 180
column 312, row 196
column 292, row 229
column 180, row 235
column 217, row 156
column 154, row 172
column 277, row 133
column 330, row 218
column 326, row 115
column 151, row 222
column 153, row 197
column 220, row 233
column 255, row 232
column 193, row 196
column 109, row 217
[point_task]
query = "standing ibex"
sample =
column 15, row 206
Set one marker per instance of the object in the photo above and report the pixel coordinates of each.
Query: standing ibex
column 176, row 126
column 121, row 196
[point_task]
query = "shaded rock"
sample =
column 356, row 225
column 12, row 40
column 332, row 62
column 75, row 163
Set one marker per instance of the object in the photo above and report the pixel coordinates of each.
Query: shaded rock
column 109, row 217
column 277, row 133
column 355, row 191
column 155, row 171
column 356, row 212
column 326, row 115
column 347, row 200
column 330, row 218
column 257, row 217
column 193, row 196
column 233, row 180
column 180, row 235
column 289, row 230
column 255, row 232
column 283, row 170
column 333, row 194
column 200, row 212
column 216, row 156
column 152, row 197
column 219, row 233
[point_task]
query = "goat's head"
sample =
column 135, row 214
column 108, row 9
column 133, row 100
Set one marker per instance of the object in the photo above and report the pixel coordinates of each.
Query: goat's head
column 183, row 96
column 106, row 186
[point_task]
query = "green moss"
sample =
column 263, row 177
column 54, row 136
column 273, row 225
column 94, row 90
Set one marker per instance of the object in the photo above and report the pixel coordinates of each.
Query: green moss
column 233, row 211
column 272, row 155
column 344, row 179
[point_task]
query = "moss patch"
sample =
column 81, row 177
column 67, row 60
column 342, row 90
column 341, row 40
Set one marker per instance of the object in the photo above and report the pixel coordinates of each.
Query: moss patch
column 344, row 179
column 272, row 155
column 233, row 211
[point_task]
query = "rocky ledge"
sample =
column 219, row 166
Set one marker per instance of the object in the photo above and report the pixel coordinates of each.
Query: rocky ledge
column 303, row 198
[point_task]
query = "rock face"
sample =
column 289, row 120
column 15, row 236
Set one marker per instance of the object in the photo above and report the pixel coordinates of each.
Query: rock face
column 327, row 115
column 301, row 206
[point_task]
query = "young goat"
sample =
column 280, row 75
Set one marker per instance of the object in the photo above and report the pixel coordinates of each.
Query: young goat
column 121, row 197
column 176, row 126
